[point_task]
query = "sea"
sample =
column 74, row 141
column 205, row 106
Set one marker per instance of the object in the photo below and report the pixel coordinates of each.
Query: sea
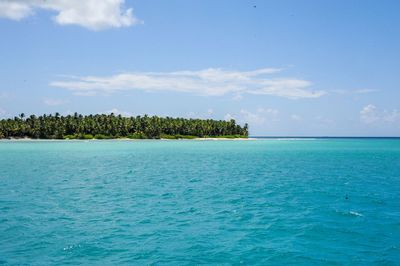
column 275, row 201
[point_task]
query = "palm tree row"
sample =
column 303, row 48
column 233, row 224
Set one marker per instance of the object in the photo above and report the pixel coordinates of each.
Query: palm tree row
column 116, row 126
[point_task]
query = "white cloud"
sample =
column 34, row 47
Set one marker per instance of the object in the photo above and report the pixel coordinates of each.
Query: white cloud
column 210, row 111
column 268, row 111
column 363, row 91
column 252, row 118
column 228, row 117
column 259, row 117
column 370, row 114
column 14, row 10
column 237, row 97
column 2, row 112
column 67, row 112
column 391, row 116
column 115, row 111
column 210, row 82
column 191, row 114
column 54, row 102
column 91, row 14
column 288, row 88
column 85, row 93
column 296, row 118
column 358, row 91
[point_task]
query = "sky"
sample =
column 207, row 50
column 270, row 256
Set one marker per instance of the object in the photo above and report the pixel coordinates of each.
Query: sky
column 287, row 67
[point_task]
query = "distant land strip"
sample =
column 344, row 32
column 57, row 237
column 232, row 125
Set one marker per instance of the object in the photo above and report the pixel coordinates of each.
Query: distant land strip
column 102, row 126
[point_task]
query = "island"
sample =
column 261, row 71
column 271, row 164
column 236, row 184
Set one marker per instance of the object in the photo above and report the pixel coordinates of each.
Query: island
column 111, row 126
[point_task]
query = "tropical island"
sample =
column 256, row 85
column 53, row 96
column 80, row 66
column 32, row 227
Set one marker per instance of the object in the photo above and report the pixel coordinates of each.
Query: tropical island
column 102, row 126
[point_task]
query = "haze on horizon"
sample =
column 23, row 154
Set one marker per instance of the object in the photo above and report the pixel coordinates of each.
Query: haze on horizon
column 292, row 68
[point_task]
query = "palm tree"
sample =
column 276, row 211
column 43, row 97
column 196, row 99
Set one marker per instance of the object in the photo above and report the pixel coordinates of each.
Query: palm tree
column 58, row 126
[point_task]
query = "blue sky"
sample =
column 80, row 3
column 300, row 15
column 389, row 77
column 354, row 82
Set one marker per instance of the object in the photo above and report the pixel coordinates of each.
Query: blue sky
column 285, row 67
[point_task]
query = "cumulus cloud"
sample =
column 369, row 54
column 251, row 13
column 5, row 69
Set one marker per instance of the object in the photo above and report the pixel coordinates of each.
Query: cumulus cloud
column 116, row 111
column 91, row 14
column 363, row 91
column 391, row 116
column 228, row 117
column 296, row 118
column 209, row 82
column 54, row 102
column 259, row 117
column 268, row 111
column 358, row 91
column 237, row 97
column 370, row 114
column 14, row 10
column 252, row 118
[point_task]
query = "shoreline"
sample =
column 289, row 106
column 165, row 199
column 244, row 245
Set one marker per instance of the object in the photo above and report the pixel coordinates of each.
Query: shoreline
column 123, row 139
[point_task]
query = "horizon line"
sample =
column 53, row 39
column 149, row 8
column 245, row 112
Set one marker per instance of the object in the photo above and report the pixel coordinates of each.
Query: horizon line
column 285, row 136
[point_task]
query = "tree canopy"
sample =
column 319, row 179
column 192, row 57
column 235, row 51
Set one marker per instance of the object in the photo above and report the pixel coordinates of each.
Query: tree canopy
column 102, row 126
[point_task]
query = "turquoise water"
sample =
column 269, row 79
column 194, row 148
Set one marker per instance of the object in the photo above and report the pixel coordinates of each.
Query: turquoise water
column 274, row 202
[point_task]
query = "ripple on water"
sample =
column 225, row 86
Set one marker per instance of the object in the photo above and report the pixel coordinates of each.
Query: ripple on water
column 182, row 203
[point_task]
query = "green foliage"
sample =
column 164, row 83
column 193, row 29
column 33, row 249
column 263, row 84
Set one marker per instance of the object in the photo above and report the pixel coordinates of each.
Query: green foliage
column 137, row 135
column 179, row 136
column 85, row 136
column 101, row 136
column 79, row 136
column 166, row 136
column 69, row 137
column 110, row 126
column 231, row 136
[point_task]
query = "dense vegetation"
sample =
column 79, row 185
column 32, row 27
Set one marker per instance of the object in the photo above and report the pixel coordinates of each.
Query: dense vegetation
column 103, row 126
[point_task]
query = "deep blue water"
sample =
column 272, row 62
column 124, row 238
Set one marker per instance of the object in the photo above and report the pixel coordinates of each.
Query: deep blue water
column 263, row 202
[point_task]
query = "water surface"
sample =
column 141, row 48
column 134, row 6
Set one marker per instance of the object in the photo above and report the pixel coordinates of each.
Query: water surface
column 276, row 202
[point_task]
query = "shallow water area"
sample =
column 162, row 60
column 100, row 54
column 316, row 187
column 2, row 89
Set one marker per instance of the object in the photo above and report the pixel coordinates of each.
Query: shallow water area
column 276, row 202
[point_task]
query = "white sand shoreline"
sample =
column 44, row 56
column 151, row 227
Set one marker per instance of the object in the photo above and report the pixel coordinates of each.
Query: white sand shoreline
column 121, row 139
